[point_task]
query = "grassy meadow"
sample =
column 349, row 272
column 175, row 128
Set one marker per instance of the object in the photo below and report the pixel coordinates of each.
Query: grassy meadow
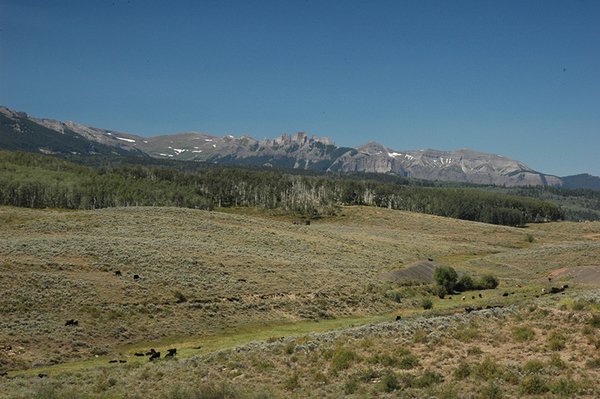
column 260, row 307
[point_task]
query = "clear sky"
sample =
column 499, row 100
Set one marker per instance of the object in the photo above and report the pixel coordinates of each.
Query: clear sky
column 516, row 78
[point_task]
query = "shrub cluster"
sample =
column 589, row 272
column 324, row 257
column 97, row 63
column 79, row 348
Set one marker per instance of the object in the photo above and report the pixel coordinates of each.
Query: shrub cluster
column 449, row 282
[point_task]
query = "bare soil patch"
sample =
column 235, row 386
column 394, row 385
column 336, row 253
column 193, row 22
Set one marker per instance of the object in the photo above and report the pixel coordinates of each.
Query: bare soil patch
column 581, row 274
column 421, row 272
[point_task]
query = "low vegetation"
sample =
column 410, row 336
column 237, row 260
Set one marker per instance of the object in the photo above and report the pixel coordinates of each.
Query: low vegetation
column 258, row 306
column 372, row 361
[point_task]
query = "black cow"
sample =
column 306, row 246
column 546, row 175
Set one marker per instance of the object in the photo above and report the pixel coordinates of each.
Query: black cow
column 150, row 352
column 136, row 277
column 42, row 375
column 155, row 355
column 505, row 294
column 71, row 322
column 398, row 318
column 139, row 354
column 480, row 296
column 118, row 273
column 113, row 361
column 171, row 352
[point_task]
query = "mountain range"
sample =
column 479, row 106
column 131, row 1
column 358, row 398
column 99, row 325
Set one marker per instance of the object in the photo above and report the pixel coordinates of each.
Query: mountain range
column 19, row 131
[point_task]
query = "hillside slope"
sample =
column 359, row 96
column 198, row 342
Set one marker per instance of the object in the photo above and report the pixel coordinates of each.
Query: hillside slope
column 210, row 281
column 201, row 273
column 20, row 132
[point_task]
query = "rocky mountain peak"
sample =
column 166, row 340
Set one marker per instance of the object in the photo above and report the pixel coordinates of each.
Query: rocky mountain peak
column 297, row 150
column 373, row 148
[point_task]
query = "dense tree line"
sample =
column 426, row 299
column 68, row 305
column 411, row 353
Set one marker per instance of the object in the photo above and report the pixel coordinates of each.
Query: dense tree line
column 38, row 181
column 576, row 204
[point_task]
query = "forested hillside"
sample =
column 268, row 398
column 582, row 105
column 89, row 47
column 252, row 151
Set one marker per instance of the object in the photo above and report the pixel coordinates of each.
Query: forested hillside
column 576, row 204
column 38, row 181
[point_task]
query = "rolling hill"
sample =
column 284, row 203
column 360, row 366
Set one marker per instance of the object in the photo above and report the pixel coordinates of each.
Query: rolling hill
column 253, row 303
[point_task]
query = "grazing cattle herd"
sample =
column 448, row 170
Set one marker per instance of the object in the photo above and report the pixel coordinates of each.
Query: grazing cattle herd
column 154, row 355
column 469, row 309
column 119, row 273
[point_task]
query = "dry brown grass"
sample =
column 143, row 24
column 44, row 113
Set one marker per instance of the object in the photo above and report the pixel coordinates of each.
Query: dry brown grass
column 455, row 357
column 236, row 271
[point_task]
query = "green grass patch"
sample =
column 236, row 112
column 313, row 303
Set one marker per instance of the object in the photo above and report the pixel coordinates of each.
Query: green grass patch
column 343, row 358
column 533, row 385
column 557, row 341
column 523, row 334
column 190, row 346
column 533, row 366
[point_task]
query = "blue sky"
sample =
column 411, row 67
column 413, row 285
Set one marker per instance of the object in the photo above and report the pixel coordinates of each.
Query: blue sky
column 517, row 78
